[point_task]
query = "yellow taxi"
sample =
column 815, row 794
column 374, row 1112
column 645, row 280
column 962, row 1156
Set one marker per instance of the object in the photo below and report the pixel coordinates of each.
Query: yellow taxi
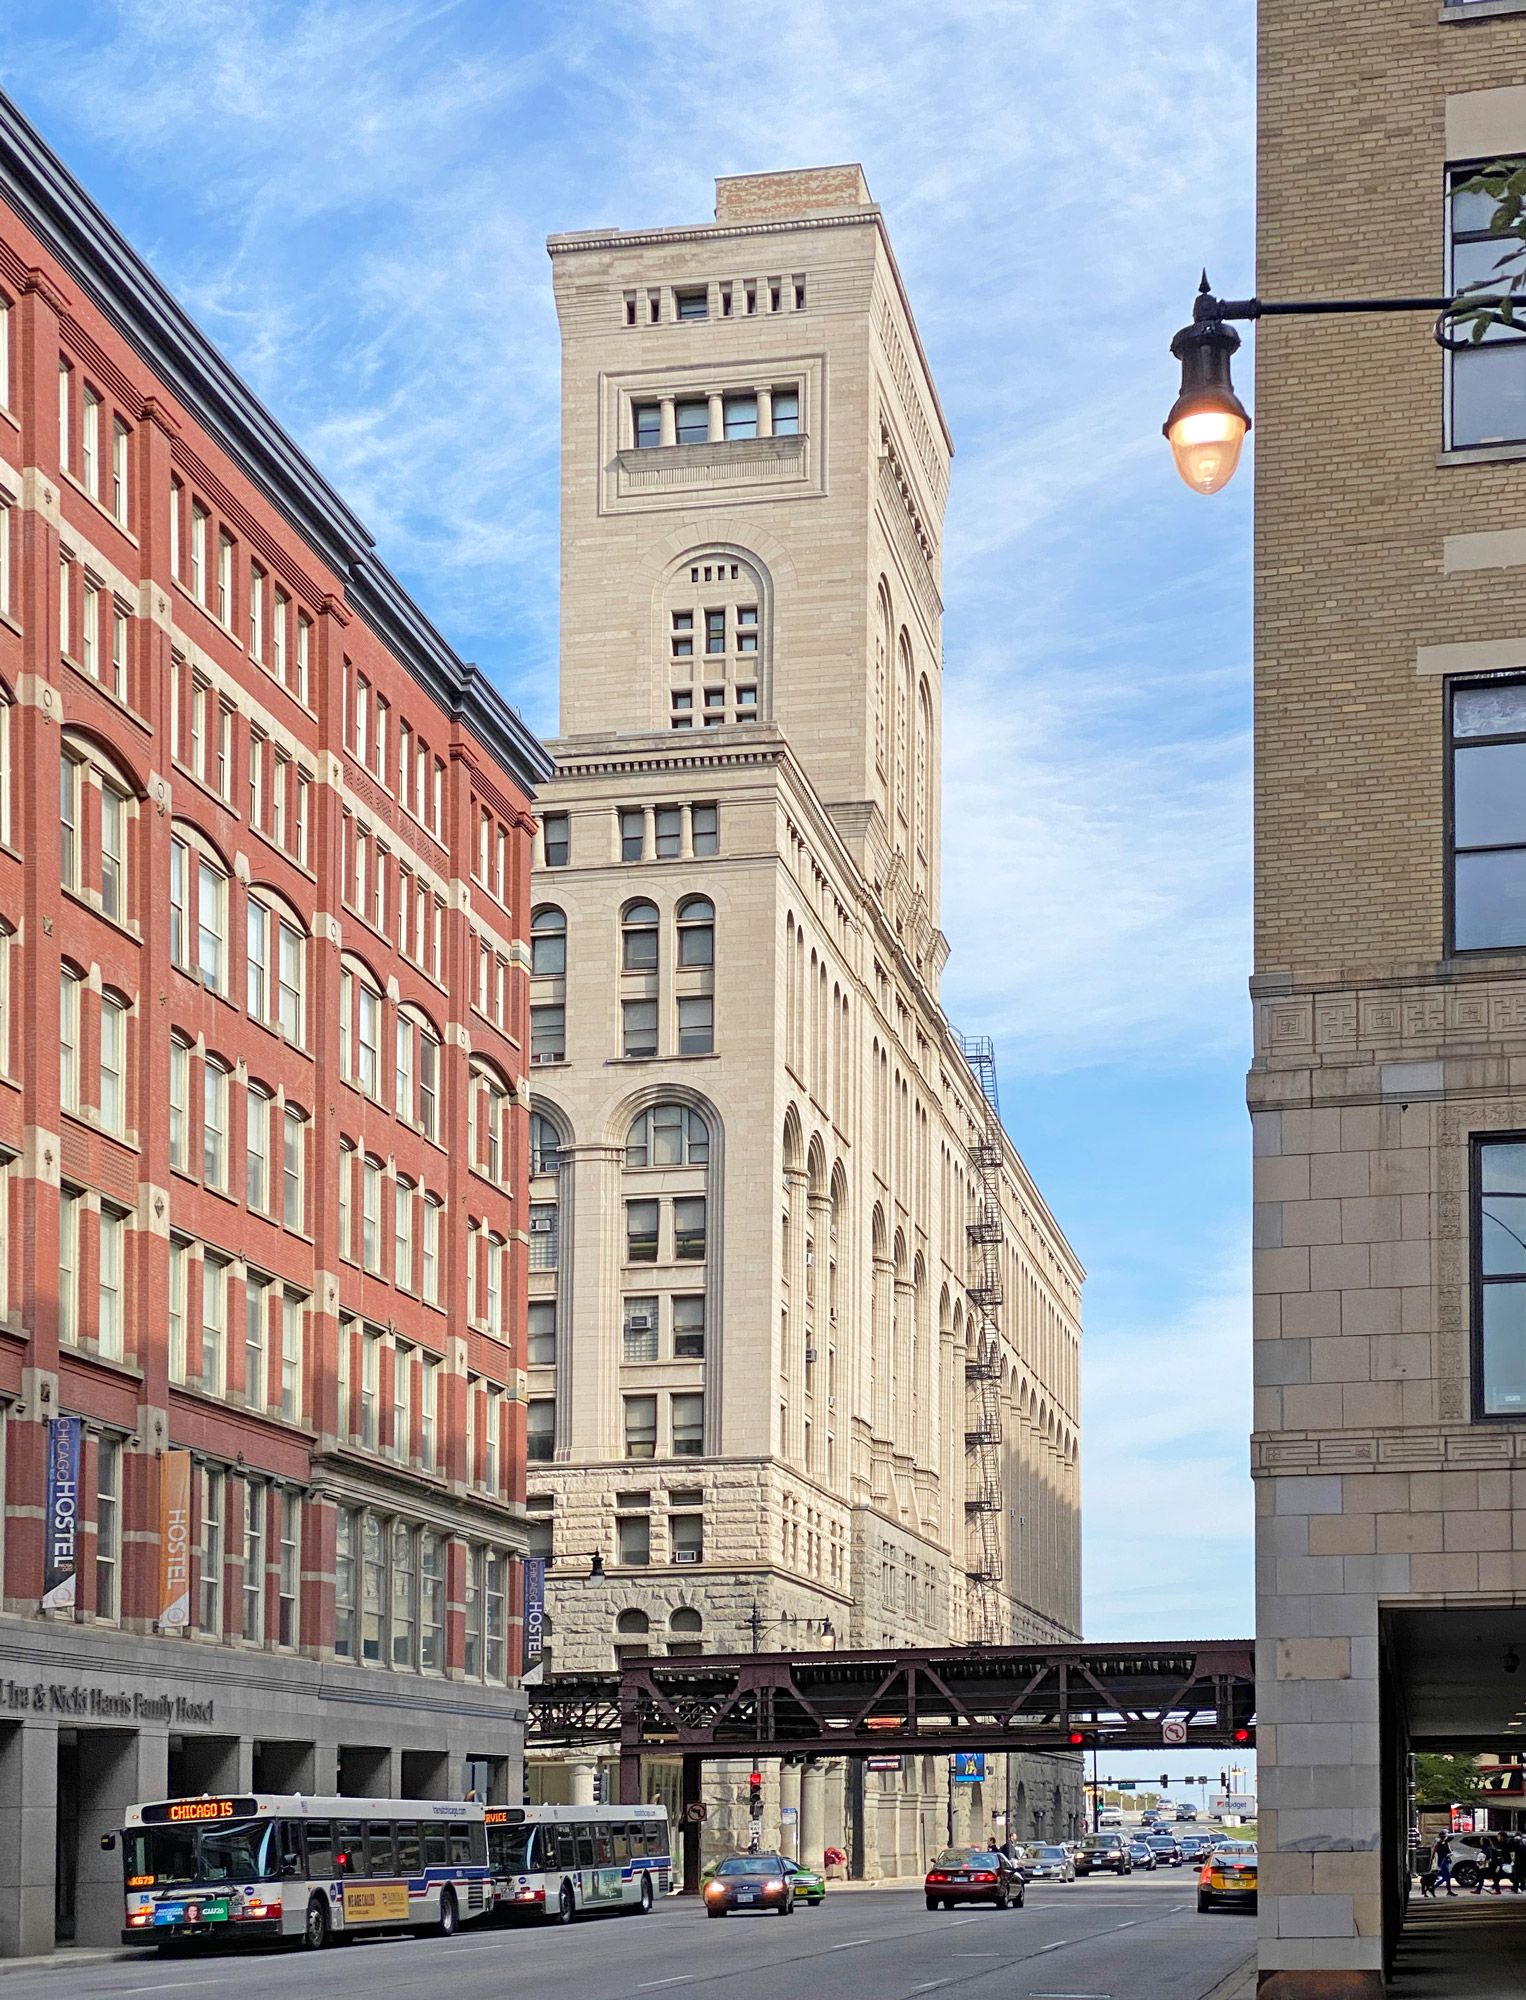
column 1228, row 1880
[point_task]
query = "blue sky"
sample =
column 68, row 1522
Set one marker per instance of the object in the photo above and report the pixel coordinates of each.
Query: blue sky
column 353, row 196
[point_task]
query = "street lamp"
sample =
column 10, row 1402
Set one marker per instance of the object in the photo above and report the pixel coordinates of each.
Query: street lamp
column 758, row 1625
column 595, row 1561
column 1208, row 422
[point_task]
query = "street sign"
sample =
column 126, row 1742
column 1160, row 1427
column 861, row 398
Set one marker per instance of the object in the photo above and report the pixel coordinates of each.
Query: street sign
column 695, row 1814
column 1173, row 1730
column 882, row 1763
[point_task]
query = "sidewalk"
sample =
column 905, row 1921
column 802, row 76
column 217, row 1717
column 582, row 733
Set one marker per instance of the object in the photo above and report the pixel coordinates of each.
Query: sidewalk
column 1470, row 1949
column 69, row 1959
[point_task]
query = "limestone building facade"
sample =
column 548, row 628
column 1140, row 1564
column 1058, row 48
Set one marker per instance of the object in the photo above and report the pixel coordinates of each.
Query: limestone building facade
column 804, row 1337
column 1388, row 1091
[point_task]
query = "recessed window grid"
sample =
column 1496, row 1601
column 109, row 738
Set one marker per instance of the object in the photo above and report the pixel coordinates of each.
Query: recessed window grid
column 1488, row 815
column 1499, row 1271
column 1487, row 380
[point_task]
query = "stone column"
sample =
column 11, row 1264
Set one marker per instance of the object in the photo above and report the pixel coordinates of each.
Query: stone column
column 765, row 413
column 582, row 1771
column 789, row 1796
column 794, row 1363
column 905, row 1366
column 117, row 1768
column 28, row 1816
column 717, row 419
column 669, row 420
column 813, row 1814
column 882, row 1339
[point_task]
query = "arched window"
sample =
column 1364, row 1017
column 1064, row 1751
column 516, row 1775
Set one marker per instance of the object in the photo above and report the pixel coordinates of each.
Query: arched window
column 488, row 1123
column 548, row 943
column 668, row 1135
column 635, row 1623
column 638, row 930
column 686, row 1620
column 545, row 1144
column 696, row 932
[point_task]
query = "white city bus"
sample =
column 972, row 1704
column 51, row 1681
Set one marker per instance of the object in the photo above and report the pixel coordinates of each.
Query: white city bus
column 274, row 1866
column 556, row 1861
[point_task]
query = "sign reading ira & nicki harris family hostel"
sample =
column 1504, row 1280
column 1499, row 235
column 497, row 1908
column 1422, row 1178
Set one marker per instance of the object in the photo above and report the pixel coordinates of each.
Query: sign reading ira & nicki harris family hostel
column 174, row 1540
column 62, row 1525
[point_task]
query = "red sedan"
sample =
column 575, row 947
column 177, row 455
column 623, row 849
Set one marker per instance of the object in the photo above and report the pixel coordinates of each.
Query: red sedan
column 974, row 1875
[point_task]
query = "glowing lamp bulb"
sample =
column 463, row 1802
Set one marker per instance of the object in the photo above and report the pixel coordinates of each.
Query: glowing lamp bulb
column 1206, row 447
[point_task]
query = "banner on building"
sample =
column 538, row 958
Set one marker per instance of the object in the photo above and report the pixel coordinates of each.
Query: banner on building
column 534, row 1620
column 969, row 1767
column 58, row 1580
column 174, row 1539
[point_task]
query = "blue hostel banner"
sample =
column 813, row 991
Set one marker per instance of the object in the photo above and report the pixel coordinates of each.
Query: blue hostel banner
column 534, row 1619
column 62, row 1524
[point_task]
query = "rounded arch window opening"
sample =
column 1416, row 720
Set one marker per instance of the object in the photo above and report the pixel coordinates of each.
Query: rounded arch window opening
column 638, row 938
column 714, row 641
column 668, row 1135
column 548, row 943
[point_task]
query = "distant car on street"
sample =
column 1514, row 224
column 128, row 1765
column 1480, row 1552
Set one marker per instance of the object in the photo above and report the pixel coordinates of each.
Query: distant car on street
column 1228, row 1880
column 750, row 1882
column 1047, row 1864
column 1196, row 1847
column 1163, row 1846
column 1186, row 1812
column 974, row 1875
column 1110, row 1816
column 1142, row 1854
column 1104, row 1854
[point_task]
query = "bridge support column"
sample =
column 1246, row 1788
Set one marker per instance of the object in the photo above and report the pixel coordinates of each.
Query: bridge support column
column 690, row 1788
column 791, row 1825
column 583, row 1772
column 630, row 1778
column 813, row 1813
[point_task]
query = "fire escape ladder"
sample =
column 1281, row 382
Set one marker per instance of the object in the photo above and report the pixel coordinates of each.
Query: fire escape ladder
column 984, row 1500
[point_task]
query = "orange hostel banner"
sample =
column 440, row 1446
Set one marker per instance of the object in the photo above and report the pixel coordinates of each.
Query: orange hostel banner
column 175, row 1539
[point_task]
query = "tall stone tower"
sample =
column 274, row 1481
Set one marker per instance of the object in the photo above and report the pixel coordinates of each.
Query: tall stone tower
column 759, row 1345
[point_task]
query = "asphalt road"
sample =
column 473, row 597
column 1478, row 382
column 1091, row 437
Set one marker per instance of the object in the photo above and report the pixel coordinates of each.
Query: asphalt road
column 1101, row 1939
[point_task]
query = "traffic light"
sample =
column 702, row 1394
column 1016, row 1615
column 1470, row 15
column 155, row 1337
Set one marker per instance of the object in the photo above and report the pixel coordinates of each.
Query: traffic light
column 755, row 1795
column 1223, row 1781
column 1242, row 1736
column 1165, row 1777
column 1082, row 1739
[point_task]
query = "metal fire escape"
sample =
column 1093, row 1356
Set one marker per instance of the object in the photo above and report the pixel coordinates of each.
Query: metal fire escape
column 984, row 1498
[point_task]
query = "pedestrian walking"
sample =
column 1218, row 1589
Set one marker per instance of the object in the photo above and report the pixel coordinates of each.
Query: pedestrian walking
column 1494, row 1864
column 1444, row 1863
column 1427, row 1872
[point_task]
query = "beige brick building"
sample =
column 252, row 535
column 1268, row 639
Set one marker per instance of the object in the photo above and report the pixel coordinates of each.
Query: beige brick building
column 1388, row 1090
column 761, row 1388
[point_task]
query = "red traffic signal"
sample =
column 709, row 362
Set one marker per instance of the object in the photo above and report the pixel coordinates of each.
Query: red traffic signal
column 1242, row 1736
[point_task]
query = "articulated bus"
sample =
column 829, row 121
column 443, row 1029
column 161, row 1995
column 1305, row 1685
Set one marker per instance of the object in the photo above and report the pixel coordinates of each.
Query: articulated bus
column 558, row 1861
column 268, row 1866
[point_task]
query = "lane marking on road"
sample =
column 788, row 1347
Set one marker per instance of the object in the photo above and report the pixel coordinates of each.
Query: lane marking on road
column 848, row 1946
column 170, row 1986
column 930, row 1986
column 1051, row 1947
column 1132, row 1922
column 678, row 1979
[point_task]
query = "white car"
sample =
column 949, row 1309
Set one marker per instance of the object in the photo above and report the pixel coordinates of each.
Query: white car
column 1046, row 1864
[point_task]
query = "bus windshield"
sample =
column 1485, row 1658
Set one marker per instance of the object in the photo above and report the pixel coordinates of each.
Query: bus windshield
column 514, row 1845
column 243, row 1851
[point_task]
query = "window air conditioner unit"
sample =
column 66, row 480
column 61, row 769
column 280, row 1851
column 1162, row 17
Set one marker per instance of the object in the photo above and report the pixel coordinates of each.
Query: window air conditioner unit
column 639, row 1323
column 686, row 1555
column 810, row 1354
column 543, row 1058
column 540, row 1225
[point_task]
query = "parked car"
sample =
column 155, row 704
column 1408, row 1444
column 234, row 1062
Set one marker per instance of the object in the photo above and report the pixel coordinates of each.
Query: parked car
column 974, row 1875
column 1228, row 1881
column 1046, row 1864
column 750, row 1882
column 1104, row 1854
column 810, row 1887
column 1142, row 1854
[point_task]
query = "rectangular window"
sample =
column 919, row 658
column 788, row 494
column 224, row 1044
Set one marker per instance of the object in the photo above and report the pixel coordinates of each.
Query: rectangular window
column 543, row 1236
column 370, row 1225
column 214, row 1307
column 119, row 437
column 178, row 931
column 68, row 815
column 64, row 372
column 113, row 1064
column 70, row 1206
column 542, row 1333
column 696, row 1025
column 256, row 779
column 786, row 412
column 90, row 630
column 741, row 414
column 402, row 1247
column 293, row 1127
column 373, row 1588
column 706, row 827
column 304, row 646
column 108, row 1526
column 224, row 578
column 90, row 443
column 198, row 552
column 640, row 1331
column 633, row 1539
column 256, row 612
column 1488, row 783
column 368, row 1039
column 429, row 1070
column 257, row 954
column 211, row 923
column 403, row 1069
column 647, row 423
column 495, row 1614
column 540, row 1430
column 669, row 829
column 256, row 1168
column 177, row 500
column 289, row 982
column 290, row 1580
column 548, row 1034
column 403, row 1613
column 344, row 1585
column 256, row 1319
column 370, row 1388
column 472, row 1660
column 65, row 595
column 554, row 828
column 431, row 1603
column 113, row 854
column 692, row 422
column 686, row 1537
column 210, row 1609
column 178, row 1259
column 118, row 677
column 430, row 1278
column 689, row 1327
column 429, row 1413
column 1488, row 380
column 346, row 1169
column 495, row 1250
column 641, row 1426
column 688, row 1426
column 688, row 1228
column 638, row 1021
column 291, row 1357
column 1499, row 1260
column 180, row 1072
column 109, row 1286
column 632, row 835
column 68, row 1040
column 254, row 1562
column 402, row 1403
column 214, row 1125
column 641, row 1232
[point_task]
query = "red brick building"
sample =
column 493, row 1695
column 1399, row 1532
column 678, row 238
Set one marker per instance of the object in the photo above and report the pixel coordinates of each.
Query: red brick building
column 262, row 1124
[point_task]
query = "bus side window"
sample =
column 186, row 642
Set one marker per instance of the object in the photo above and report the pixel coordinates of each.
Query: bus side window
column 320, row 1849
column 351, row 1857
column 436, row 1846
column 585, row 1846
column 289, row 1859
column 460, row 1844
column 479, row 1844
column 622, row 1840
column 408, row 1858
column 566, row 1847
column 379, row 1850
column 604, row 1845
column 655, row 1841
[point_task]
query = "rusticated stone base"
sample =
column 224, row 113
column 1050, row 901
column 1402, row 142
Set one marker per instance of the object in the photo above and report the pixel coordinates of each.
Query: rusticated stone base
column 1282, row 1983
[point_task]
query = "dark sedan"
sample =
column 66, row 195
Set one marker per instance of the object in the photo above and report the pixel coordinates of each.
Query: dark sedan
column 1142, row 1854
column 974, row 1875
column 750, row 1882
column 1163, row 1846
column 1104, row 1854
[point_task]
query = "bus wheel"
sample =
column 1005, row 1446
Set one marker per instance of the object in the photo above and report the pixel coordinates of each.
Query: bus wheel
column 448, row 1918
column 645, row 1905
column 315, row 1932
column 566, row 1905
